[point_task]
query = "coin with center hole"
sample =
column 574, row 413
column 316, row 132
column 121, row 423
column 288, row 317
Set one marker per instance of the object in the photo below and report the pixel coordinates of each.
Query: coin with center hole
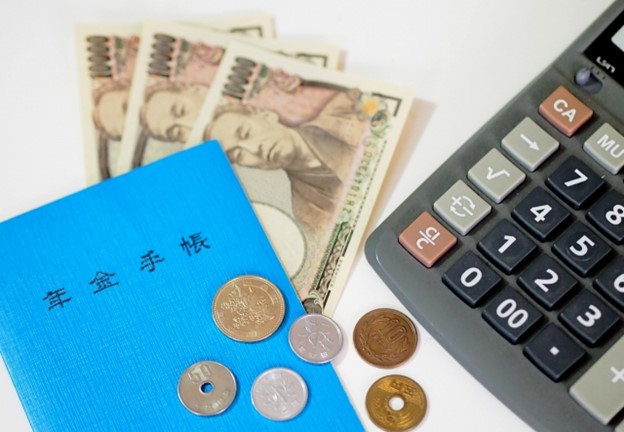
column 385, row 337
column 380, row 400
column 279, row 394
column 248, row 308
column 207, row 388
column 315, row 338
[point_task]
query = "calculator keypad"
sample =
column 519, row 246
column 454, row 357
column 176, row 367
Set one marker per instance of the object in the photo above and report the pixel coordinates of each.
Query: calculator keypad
column 541, row 259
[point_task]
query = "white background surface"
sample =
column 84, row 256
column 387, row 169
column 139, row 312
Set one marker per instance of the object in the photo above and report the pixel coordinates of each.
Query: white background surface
column 463, row 58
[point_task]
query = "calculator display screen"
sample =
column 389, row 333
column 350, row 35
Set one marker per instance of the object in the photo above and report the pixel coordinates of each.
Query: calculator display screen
column 607, row 50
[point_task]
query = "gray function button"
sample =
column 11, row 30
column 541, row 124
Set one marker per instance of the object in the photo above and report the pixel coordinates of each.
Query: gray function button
column 496, row 176
column 601, row 389
column 461, row 207
column 529, row 144
column 606, row 146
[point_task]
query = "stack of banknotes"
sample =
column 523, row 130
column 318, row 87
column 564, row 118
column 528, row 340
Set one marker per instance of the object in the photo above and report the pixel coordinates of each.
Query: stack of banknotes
column 310, row 144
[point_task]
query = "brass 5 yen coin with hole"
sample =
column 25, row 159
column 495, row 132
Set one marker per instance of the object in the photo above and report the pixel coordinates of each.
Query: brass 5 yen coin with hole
column 396, row 403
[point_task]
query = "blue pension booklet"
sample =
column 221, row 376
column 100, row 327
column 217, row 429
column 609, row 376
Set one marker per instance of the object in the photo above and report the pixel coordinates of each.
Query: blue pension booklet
column 106, row 299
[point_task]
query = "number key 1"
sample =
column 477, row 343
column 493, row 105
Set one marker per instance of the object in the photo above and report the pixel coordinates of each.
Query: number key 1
column 506, row 246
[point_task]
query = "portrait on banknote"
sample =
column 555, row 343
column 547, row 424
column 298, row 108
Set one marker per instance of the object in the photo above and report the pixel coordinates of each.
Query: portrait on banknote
column 180, row 75
column 310, row 148
column 314, row 145
column 110, row 66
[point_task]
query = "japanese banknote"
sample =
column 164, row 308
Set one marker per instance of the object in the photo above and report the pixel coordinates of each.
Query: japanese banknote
column 174, row 70
column 311, row 148
column 310, row 145
column 107, row 55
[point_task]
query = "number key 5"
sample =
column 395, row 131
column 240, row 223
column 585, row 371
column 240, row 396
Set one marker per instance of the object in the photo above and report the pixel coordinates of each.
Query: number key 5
column 581, row 249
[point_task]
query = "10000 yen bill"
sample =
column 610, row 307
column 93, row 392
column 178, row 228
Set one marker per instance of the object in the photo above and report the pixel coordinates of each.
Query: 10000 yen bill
column 311, row 147
column 106, row 58
column 174, row 70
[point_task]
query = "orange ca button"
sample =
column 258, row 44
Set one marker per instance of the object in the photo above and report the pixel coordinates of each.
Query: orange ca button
column 427, row 240
column 564, row 111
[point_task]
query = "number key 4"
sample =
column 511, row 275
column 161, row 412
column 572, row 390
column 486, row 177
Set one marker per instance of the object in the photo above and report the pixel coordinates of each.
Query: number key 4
column 540, row 214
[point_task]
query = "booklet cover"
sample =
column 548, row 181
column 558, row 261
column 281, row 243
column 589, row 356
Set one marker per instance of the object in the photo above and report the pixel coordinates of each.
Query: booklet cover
column 107, row 296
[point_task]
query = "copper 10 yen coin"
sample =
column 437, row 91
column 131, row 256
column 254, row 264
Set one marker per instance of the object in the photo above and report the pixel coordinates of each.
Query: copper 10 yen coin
column 412, row 403
column 248, row 308
column 385, row 337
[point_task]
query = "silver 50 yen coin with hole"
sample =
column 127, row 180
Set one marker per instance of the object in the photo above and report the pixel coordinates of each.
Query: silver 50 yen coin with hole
column 207, row 388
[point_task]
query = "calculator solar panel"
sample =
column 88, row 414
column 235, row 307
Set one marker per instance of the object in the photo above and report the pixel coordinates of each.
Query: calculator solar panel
column 512, row 253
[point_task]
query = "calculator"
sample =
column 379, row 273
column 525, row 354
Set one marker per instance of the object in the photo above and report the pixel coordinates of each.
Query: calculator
column 512, row 253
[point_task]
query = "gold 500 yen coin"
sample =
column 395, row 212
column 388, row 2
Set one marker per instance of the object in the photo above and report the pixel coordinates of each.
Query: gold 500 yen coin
column 382, row 395
column 248, row 308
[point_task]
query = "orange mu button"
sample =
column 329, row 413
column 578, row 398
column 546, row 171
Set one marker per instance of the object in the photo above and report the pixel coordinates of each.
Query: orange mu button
column 427, row 240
